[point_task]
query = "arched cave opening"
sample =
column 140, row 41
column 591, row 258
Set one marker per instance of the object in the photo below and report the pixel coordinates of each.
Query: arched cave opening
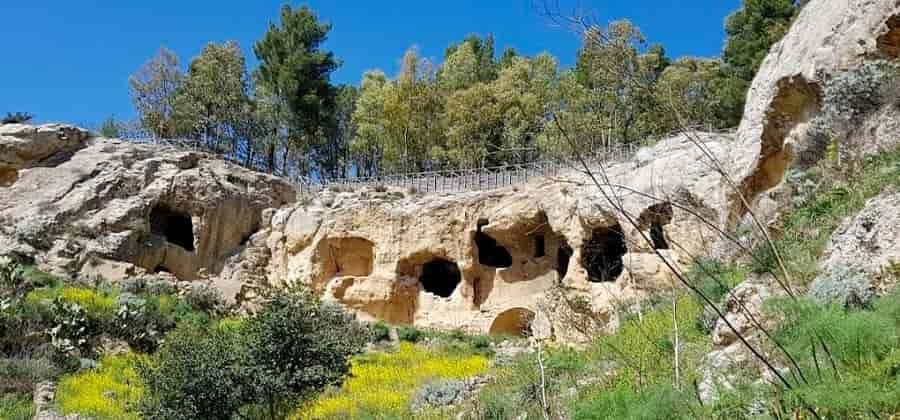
column 602, row 254
column 656, row 217
column 490, row 253
column 440, row 277
column 513, row 322
column 176, row 227
column 563, row 256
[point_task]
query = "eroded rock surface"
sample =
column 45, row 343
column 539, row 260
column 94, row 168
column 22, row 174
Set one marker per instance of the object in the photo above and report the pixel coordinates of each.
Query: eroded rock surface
column 828, row 37
column 483, row 261
column 105, row 207
column 869, row 241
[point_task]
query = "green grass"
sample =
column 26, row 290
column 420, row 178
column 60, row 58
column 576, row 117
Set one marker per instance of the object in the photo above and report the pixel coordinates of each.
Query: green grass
column 16, row 408
column 807, row 229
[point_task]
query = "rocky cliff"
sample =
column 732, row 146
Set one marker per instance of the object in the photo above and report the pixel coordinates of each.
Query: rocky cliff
column 479, row 261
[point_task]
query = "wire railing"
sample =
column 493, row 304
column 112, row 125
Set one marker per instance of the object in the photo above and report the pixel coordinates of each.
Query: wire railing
column 440, row 181
column 465, row 180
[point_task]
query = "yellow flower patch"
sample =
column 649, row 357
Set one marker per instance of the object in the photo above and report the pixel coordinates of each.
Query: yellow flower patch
column 385, row 383
column 109, row 392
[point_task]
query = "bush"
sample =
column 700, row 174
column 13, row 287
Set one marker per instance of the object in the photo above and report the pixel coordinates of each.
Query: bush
column 439, row 394
column 205, row 298
column 843, row 286
column 380, row 332
column 293, row 347
column 197, row 373
column 409, row 334
column 293, row 327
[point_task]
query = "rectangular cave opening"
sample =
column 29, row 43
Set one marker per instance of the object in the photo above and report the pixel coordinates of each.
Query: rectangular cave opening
column 540, row 246
column 176, row 227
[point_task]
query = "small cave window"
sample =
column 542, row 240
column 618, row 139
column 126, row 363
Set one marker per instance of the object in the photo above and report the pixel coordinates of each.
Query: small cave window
column 563, row 256
column 540, row 246
column 658, row 236
column 440, row 277
column 490, row 253
column 176, row 227
column 602, row 254
column 657, row 216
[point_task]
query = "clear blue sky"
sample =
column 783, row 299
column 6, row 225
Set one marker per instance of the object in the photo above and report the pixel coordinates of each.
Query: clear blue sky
column 66, row 60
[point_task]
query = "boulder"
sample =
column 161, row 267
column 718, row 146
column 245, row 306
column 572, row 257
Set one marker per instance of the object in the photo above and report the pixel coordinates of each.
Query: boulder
column 81, row 204
column 869, row 241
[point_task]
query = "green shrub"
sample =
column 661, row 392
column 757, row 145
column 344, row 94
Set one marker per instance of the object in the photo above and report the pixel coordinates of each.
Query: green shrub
column 380, row 332
column 196, row 374
column 843, row 286
column 410, row 334
column 439, row 394
column 714, row 278
column 291, row 348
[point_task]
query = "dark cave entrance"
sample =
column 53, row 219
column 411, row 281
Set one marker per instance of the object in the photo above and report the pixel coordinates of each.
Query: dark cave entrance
column 563, row 256
column 440, row 277
column 490, row 253
column 177, row 228
column 602, row 254
column 658, row 236
column 657, row 217
column 540, row 246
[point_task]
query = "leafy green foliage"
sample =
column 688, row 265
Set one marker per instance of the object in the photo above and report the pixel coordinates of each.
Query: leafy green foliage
column 380, row 332
column 16, row 118
column 294, row 71
column 409, row 334
column 196, row 374
column 294, row 346
column 752, row 30
column 111, row 391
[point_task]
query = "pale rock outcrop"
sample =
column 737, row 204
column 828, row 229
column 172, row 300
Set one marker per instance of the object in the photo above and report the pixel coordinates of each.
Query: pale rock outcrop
column 827, row 38
column 480, row 261
column 869, row 241
column 105, row 207
column 24, row 146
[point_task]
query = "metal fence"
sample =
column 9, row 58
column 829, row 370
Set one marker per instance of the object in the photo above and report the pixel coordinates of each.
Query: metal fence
column 443, row 181
column 463, row 180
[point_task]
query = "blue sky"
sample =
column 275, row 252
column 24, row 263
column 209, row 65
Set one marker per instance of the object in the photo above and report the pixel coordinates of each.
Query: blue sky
column 67, row 60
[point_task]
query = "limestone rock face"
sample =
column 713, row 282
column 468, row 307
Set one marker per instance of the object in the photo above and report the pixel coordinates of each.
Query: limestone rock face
column 24, row 146
column 869, row 241
column 827, row 37
column 105, row 207
column 489, row 262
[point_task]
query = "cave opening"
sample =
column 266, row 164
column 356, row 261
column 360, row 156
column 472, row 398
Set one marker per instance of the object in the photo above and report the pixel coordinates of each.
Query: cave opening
column 176, row 227
column 514, row 322
column 440, row 277
column 540, row 246
column 602, row 254
column 658, row 237
column 563, row 256
column 490, row 253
